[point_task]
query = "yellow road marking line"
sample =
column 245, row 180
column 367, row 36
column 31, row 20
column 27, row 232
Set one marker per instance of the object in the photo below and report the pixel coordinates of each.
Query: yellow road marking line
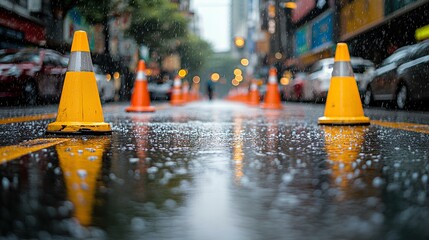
column 15, row 151
column 27, row 118
column 414, row 127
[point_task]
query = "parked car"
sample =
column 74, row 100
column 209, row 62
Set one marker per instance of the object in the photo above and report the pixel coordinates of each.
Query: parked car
column 105, row 84
column 31, row 74
column 321, row 73
column 403, row 77
column 160, row 89
column 286, row 86
column 303, row 89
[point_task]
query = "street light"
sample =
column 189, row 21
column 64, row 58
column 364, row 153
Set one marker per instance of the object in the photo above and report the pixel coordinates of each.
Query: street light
column 196, row 79
column 239, row 42
column 182, row 73
column 291, row 5
column 238, row 71
column 244, row 62
column 288, row 7
column 215, row 77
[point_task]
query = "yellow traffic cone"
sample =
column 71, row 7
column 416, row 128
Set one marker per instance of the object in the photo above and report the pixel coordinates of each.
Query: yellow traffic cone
column 81, row 162
column 343, row 104
column 80, row 109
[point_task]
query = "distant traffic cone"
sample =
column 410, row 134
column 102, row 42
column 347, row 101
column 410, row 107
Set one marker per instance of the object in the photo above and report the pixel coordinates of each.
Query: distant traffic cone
column 80, row 109
column 253, row 98
column 185, row 92
column 272, row 96
column 176, row 95
column 244, row 95
column 140, row 100
column 343, row 104
column 194, row 92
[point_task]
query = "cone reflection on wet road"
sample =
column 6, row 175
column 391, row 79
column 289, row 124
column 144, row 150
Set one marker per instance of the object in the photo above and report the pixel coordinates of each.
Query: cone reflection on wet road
column 81, row 161
column 141, row 133
column 343, row 146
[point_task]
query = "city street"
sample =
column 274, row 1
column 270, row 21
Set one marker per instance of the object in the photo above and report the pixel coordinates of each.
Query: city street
column 215, row 170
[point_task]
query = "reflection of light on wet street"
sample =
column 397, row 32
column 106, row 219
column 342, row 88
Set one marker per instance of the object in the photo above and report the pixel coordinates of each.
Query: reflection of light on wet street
column 238, row 150
column 217, row 170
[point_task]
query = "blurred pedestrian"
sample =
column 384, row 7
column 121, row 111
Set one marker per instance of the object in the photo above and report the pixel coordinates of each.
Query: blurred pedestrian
column 210, row 89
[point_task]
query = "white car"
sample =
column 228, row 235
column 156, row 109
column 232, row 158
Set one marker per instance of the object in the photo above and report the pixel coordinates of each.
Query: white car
column 160, row 90
column 105, row 84
column 321, row 73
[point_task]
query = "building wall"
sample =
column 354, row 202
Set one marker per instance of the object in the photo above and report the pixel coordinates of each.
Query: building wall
column 19, row 26
column 239, row 10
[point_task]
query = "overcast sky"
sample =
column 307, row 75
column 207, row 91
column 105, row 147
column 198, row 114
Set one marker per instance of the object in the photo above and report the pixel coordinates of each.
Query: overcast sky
column 214, row 21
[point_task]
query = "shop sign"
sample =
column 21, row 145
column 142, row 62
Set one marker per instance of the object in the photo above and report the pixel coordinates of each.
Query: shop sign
column 422, row 33
column 75, row 21
column 302, row 40
column 171, row 63
column 391, row 6
column 359, row 14
column 303, row 7
column 10, row 33
column 322, row 31
column 20, row 28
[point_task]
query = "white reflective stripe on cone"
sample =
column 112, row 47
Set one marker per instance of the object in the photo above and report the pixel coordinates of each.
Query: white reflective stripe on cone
column 140, row 76
column 253, row 87
column 80, row 62
column 177, row 83
column 342, row 69
column 272, row 79
column 176, row 91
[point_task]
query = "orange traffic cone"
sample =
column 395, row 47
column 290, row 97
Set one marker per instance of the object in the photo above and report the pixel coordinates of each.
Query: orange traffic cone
column 244, row 95
column 194, row 92
column 272, row 96
column 253, row 94
column 140, row 100
column 80, row 109
column 176, row 95
column 186, row 96
column 343, row 104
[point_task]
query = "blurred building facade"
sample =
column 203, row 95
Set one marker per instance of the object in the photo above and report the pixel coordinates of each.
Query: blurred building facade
column 373, row 29
column 52, row 23
column 21, row 23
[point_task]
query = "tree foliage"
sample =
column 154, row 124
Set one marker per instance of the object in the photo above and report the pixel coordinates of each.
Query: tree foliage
column 194, row 51
column 158, row 25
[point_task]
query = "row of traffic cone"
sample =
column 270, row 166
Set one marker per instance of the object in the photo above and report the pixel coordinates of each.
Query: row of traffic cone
column 272, row 97
column 343, row 104
column 140, row 98
column 183, row 93
column 80, row 107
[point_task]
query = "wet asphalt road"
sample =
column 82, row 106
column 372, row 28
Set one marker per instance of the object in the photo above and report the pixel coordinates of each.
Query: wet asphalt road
column 217, row 170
